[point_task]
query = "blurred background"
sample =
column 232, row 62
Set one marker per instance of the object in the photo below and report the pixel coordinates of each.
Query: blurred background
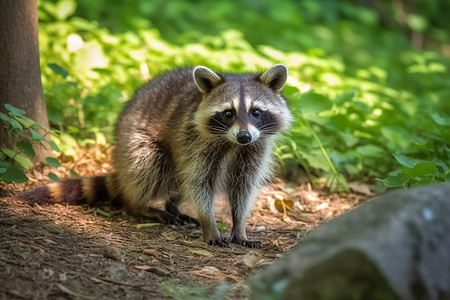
column 369, row 80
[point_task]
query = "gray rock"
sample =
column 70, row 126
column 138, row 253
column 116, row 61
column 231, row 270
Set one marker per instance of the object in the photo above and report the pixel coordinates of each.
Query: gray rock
column 116, row 271
column 396, row 246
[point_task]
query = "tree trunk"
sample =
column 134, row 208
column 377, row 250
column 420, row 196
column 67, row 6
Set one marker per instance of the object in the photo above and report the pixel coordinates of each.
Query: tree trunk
column 20, row 73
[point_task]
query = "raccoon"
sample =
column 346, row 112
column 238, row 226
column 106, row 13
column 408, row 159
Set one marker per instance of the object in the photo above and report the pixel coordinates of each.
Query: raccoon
column 190, row 134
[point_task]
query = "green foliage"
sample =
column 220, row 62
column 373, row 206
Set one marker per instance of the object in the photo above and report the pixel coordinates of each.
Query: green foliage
column 364, row 100
column 15, row 162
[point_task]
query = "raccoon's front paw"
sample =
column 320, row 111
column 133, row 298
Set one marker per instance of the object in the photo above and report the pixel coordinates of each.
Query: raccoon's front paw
column 218, row 242
column 247, row 243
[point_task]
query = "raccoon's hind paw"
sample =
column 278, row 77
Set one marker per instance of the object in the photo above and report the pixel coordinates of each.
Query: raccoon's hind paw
column 247, row 243
column 172, row 208
column 219, row 242
column 161, row 216
column 188, row 220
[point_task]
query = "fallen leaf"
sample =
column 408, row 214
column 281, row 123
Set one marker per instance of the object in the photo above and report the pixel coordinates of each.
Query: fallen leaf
column 47, row 273
column 321, row 206
column 360, row 188
column 53, row 228
column 200, row 252
column 172, row 235
column 305, row 219
column 280, row 205
column 260, row 228
column 66, row 290
column 214, row 273
column 152, row 252
column 112, row 253
column 49, row 241
column 143, row 268
column 252, row 258
column 286, row 219
column 144, row 225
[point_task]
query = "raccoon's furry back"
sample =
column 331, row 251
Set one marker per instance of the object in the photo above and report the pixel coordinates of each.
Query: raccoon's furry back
column 142, row 149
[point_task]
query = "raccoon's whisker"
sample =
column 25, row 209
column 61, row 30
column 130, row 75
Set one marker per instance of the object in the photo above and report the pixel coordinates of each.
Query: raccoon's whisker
column 268, row 125
column 223, row 125
column 268, row 129
column 219, row 138
column 217, row 129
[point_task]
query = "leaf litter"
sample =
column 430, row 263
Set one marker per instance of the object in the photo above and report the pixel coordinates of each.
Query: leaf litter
column 63, row 251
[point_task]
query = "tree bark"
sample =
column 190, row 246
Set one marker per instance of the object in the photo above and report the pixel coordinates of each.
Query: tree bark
column 20, row 73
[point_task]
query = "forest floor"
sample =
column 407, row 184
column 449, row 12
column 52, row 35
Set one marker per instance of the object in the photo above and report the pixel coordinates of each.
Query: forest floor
column 81, row 252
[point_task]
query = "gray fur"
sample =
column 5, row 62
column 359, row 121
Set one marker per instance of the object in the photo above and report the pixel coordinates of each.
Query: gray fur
column 166, row 143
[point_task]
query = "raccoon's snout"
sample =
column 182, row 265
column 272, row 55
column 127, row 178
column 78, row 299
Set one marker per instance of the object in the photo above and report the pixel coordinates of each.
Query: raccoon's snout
column 244, row 137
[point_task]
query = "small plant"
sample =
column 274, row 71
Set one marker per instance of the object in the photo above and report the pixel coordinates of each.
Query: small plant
column 416, row 172
column 16, row 161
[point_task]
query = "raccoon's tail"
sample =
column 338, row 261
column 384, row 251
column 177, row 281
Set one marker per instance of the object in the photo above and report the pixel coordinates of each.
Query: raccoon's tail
column 74, row 191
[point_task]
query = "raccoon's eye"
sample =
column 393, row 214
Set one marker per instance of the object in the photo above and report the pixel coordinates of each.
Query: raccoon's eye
column 256, row 113
column 228, row 114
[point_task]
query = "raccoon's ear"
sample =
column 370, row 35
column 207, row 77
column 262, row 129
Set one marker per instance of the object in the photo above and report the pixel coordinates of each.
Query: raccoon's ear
column 205, row 79
column 275, row 77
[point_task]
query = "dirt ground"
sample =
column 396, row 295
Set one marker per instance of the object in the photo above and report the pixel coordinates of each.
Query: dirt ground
column 82, row 252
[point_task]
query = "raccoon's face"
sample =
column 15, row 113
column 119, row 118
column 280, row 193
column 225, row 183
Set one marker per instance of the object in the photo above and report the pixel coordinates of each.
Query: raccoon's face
column 242, row 108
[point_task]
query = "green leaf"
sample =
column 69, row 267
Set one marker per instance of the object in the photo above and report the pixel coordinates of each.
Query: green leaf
column 371, row 151
column 26, row 148
column 54, row 146
column 27, row 122
column 349, row 139
column 416, row 22
column 394, row 181
column 102, row 212
column 404, row 161
column 36, row 135
column 421, row 169
column 73, row 173
column 4, row 166
column 53, row 177
column 59, row 70
column 415, row 167
column 65, row 9
column 102, row 71
column 13, row 111
column 4, row 117
column 10, row 153
column 13, row 174
column 222, row 226
column 311, row 104
column 424, row 181
column 51, row 161
column 15, row 124
column 23, row 161
column 440, row 120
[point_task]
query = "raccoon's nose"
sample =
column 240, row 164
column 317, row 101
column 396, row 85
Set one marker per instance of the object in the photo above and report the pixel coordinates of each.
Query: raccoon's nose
column 244, row 137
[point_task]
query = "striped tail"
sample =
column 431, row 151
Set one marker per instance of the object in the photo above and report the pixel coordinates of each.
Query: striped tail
column 74, row 191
